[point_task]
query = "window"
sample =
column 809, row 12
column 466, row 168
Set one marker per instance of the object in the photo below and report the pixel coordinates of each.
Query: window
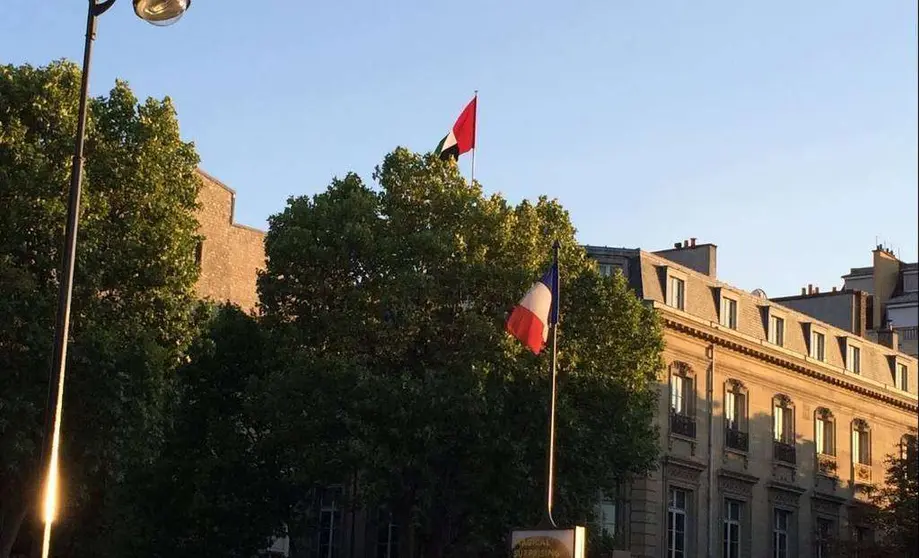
column 675, row 292
column 728, row 316
column 387, row 537
column 608, row 270
column 776, row 330
column 199, row 253
column 861, row 442
column 733, row 512
column 824, row 432
column 682, row 396
column 783, row 428
column 901, row 378
column 780, row 527
column 680, row 393
column 818, row 346
column 825, row 529
column 908, row 447
column 853, row 359
column 676, row 523
column 735, row 407
column 329, row 523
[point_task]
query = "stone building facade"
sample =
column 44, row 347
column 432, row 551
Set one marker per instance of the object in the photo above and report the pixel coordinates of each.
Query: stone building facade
column 881, row 301
column 230, row 255
column 771, row 421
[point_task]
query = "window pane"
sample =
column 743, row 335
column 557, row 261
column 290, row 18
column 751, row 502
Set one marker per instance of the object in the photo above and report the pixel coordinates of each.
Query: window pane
column 819, row 440
column 777, row 423
column 729, row 410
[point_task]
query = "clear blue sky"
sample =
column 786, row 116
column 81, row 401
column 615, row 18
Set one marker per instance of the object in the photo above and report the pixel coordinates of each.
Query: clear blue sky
column 785, row 132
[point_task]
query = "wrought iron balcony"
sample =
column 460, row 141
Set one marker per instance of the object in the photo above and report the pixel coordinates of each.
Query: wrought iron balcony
column 737, row 440
column 683, row 425
column 784, row 452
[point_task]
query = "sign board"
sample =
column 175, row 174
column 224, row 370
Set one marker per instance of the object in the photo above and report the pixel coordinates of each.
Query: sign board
column 549, row 543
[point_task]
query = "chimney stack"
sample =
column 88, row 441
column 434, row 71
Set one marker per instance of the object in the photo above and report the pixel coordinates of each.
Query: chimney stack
column 692, row 242
column 888, row 336
column 834, row 289
column 816, row 290
column 685, row 243
column 803, row 291
column 677, row 245
column 810, row 288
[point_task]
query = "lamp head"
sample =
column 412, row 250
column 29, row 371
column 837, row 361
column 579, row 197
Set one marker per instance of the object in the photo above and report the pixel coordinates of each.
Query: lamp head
column 161, row 12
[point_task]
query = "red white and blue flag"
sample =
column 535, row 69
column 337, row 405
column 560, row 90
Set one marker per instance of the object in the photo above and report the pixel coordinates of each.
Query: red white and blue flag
column 536, row 312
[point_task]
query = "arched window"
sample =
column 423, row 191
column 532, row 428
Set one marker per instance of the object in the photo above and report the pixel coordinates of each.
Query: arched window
column 735, row 405
column 861, row 442
column 735, row 415
column 908, row 448
column 682, row 400
column 783, row 419
column 824, row 432
column 682, row 389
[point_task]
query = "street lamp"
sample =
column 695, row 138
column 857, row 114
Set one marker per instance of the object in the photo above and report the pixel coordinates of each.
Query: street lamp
column 157, row 12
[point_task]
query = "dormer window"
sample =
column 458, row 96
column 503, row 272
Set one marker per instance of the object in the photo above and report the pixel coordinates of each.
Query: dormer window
column 901, row 376
column 853, row 358
column 776, row 330
column 817, row 347
column 676, row 292
column 728, row 314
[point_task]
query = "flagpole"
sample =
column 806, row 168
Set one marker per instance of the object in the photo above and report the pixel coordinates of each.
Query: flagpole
column 550, row 469
column 475, row 133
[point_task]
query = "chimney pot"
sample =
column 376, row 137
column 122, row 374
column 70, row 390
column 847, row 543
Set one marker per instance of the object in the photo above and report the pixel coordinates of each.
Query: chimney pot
column 803, row 291
column 834, row 289
column 810, row 288
column 685, row 243
column 816, row 290
column 692, row 242
column 676, row 244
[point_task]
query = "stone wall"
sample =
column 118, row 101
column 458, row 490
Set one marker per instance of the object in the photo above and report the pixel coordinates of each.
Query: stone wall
column 230, row 255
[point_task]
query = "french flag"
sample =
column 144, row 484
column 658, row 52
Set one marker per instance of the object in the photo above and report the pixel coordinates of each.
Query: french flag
column 531, row 318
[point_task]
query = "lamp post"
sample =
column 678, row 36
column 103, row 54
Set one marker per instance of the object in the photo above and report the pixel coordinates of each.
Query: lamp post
column 157, row 12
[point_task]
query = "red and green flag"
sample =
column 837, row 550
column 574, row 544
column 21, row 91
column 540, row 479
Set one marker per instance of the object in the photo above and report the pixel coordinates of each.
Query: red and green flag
column 461, row 138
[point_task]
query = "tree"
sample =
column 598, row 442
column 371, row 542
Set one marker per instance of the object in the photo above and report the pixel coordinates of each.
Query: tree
column 897, row 503
column 893, row 513
column 389, row 304
column 215, row 489
column 133, row 313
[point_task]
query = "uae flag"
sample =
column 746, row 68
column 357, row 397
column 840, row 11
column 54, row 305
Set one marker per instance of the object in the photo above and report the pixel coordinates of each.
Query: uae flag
column 462, row 137
column 530, row 320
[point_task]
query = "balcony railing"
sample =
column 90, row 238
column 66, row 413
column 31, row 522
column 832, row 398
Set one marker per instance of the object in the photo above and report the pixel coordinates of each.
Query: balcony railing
column 862, row 473
column 683, row 425
column 784, row 452
column 907, row 333
column 737, row 440
column 826, row 465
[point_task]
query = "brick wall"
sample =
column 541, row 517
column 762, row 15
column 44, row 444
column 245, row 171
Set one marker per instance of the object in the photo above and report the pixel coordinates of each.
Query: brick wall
column 230, row 254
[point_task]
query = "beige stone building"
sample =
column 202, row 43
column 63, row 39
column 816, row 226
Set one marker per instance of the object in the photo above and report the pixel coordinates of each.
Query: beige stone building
column 880, row 302
column 771, row 421
column 230, row 254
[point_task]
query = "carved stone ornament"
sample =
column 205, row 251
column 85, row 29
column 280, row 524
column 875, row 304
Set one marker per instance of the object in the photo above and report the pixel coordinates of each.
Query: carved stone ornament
column 824, row 413
column 736, row 385
column 736, row 482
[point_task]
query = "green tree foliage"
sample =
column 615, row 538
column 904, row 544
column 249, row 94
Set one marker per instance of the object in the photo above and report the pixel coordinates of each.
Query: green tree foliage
column 215, row 489
column 388, row 306
column 133, row 311
column 891, row 522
